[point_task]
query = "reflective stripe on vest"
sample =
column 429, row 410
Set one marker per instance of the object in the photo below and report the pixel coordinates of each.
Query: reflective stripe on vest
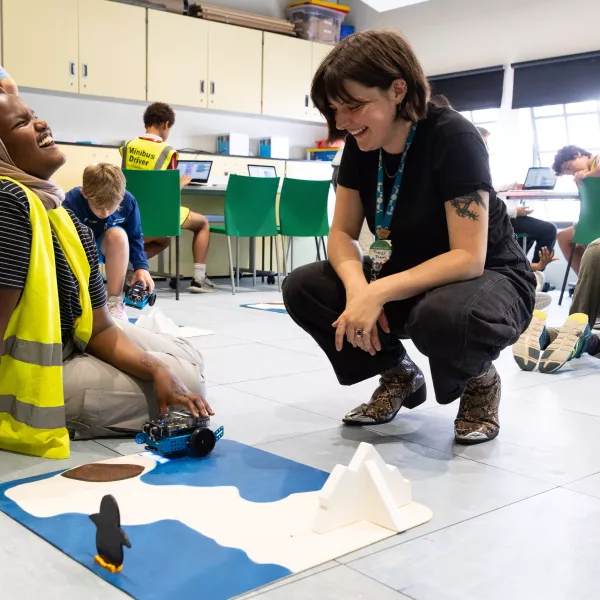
column 32, row 408
column 34, row 353
column 145, row 155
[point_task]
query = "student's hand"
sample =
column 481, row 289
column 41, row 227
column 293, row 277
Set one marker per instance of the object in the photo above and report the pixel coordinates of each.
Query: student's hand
column 581, row 175
column 170, row 391
column 523, row 211
column 144, row 276
column 184, row 180
column 362, row 313
column 546, row 257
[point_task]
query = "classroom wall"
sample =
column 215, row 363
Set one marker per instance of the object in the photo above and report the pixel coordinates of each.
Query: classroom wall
column 457, row 35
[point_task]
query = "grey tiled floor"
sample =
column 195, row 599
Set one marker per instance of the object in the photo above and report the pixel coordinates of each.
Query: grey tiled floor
column 518, row 518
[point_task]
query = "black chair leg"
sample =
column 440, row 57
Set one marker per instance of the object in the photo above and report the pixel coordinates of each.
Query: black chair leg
column 262, row 278
column 318, row 248
column 564, row 285
column 324, row 248
column 177, row 267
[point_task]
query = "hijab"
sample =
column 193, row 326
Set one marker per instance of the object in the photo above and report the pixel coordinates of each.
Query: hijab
column 47, row 191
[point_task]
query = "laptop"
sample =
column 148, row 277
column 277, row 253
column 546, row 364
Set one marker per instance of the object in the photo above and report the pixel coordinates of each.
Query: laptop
column 261, row 171
column 540, row 178
column 198, row 170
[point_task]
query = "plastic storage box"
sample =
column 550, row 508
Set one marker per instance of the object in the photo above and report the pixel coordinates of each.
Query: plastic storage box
column 317, row 21
column 322, row 154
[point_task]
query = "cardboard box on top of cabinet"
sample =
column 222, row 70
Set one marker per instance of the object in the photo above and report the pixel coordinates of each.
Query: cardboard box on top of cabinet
column 179, row 7
column 234, row 144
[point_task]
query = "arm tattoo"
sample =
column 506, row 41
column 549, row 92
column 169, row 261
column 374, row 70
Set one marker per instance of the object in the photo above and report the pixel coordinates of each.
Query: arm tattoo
column 149, row 361
column 462, row 205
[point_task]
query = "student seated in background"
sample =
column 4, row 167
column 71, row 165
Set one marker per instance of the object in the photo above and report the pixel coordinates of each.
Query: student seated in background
column 112, row 214
column 538, row 231
column 7, row 83
column 66, row 368
column 151, row 152
column 572, row 160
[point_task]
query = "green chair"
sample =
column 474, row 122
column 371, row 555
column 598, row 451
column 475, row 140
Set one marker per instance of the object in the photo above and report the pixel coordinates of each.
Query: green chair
column 587, row 229
column 523, row 238
column 158, row 195
column 250, row 211
column 303, row 213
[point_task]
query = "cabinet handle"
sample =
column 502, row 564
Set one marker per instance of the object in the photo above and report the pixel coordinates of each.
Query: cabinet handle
column 72, row 68
column 84, row 70
column 306, row 100
column 202, row 87
column 212, row 87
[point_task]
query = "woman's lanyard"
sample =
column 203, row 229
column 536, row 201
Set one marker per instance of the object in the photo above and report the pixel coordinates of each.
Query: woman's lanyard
column 381, row 250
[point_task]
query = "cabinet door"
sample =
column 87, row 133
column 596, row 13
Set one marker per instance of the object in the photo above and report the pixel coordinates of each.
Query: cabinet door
column 40, row 43
column 112, row 50
column 173, row 76
column 287, row 68
column 234, row 68
column 319, row 52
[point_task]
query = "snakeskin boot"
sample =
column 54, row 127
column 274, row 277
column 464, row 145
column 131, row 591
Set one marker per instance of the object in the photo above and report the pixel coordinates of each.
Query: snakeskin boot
column 403, row 385
column 477, row 420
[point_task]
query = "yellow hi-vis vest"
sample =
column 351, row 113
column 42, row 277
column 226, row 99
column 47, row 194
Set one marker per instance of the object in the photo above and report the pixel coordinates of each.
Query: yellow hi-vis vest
column 32, row 406
column 140, row 154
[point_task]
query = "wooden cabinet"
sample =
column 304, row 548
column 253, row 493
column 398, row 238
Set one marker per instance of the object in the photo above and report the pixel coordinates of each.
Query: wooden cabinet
column 319, row 52
column 112, row 49
column 287, row 67
column 173, row 76
column 234, row 68
column 40, row 45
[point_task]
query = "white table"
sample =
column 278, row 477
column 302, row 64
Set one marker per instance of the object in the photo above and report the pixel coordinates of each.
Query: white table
column 538, row 195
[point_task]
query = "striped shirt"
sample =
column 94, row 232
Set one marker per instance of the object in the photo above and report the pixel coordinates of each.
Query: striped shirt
column 15, row 249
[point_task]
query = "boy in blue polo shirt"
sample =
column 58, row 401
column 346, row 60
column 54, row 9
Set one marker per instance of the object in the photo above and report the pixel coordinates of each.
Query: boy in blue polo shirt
column 112, row 213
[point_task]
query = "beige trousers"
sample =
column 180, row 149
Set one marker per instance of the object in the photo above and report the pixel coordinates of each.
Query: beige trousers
column 102, row 401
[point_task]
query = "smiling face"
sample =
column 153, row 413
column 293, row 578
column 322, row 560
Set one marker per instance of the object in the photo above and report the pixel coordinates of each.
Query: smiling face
column 28, row 139
column 373, row 118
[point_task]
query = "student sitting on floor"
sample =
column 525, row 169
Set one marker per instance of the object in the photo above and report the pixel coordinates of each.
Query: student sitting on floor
column 112, row 214
column 66, row 368
column 157, row 155
column 572, row 160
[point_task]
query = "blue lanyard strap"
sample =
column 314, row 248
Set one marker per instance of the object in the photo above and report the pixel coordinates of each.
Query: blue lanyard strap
column 383, row 214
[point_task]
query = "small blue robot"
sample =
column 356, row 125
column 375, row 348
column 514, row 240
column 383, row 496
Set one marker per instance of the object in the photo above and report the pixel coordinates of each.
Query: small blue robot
column 137, row 296
column 178, row 434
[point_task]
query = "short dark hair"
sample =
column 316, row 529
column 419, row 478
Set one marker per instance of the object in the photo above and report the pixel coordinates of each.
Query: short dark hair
column 158, row 113
column 374, row 59
column 441, row 101
column 566, row 154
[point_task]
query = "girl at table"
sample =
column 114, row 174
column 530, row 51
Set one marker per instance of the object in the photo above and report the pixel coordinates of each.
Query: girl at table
column 444, row 269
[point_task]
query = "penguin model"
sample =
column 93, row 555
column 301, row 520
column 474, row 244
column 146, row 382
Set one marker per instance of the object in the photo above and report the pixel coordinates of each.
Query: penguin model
column 110, row 538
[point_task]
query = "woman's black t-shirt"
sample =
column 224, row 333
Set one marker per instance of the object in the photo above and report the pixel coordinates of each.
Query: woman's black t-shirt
column 15, row 250
column 447, row 159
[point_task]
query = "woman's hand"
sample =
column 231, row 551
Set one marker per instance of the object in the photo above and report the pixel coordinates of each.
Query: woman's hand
column 363, row 310
column 171, row 391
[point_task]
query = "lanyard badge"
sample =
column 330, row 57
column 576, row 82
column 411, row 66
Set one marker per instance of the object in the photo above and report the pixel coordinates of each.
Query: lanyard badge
column 381, row 249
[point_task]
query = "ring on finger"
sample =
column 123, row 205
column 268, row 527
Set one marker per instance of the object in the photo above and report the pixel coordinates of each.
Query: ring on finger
column 358, row 333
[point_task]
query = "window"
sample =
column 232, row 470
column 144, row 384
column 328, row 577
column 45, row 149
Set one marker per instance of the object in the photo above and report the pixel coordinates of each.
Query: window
column 562, row 124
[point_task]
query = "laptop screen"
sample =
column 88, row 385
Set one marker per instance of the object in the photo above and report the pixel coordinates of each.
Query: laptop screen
column 261, row 171
column 540, row 178
column 198, row 170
